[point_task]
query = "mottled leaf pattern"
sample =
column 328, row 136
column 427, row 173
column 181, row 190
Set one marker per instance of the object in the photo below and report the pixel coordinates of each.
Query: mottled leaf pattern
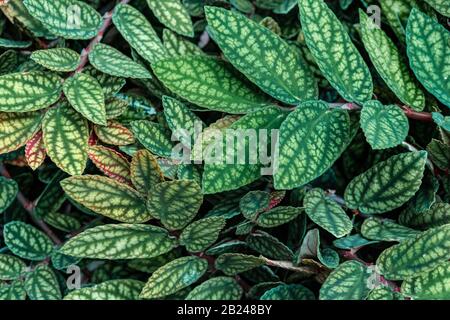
column 219, row 288
column 122, row 289
column 431, row 285
column 234, row 263
column 288, row 292
column 114, row 133
column 173, row 15
column 111, row 163
column 386, row 230
column 35, row 152
column 277, row 216
column 42, row 284
column 199, row 235
column 58, row 59
column 145, row 171
column 153, row 136
column 16, row 129
column 8, row 192
column 11, row 267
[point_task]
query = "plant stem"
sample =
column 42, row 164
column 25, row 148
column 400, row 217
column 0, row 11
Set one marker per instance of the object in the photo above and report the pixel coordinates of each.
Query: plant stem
column 29, row 206
column 107, row 19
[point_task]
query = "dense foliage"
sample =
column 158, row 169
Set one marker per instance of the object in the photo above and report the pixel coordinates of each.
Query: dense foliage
column 119, row 180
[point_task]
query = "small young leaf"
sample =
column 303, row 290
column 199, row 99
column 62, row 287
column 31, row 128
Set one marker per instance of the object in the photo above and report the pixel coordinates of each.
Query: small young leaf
column 277, row 216
column 138, row 32
column 218, row 288
column 200, row 234
column 120, row 241
column 122, row 289
column 384, row 126
column 209, row 83
column 311, row 139
column 107, row 197
column 431, row 285
column 42, row 284
column 336, row 55
column 390, row 64
column 113, row 62
column 175, row 203
column 66, row 137
column 387, row 185
column 327, row 213
column 346, row 282
column 56, row 16
column 62, row 221
column 420, row 254
column 288, row 292
column 26, row 241
column 8, row 192
column 174, row 276
column 173, row 14
column 57, row 59
column 386, row 230
column 86, row 96
column 29, row 91
column 265, row 58
column 429, row 54
column 11, row 267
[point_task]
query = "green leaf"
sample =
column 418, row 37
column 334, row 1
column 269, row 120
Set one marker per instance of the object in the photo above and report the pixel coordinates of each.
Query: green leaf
column 110, row 85
column 431, row 285
column 414, row 256
column 397, row 14
column 254, row 203
column 62, row 221
column 11, row 267
column 174, row 276
column 113, row 62
column 441, row 121
column 438, row 215
column 439, row 154
column 288, row 292
column 122, row 289
column 26, row 241
column 14, row 291
column 16, row 129
column 70, row 19
column 178, row 46
column 381, row 293
column 202, row 233
column 138, row 32
column 173, row 15
column 347, row 282
column 387, row 185
column 311, row 249
column 429, row 54
column 120, row 241
column 219, row 288
column 115, row 134
column 8, row 61
column 247, row 163
column 42, row 284
column 112, row 163
column 107, row 197
column 277, row 216
column 386, row 230
column 175, row 203
column 311, row 139
column 62, row 262
column 58, row 59
column 29, row 91
column 327, row 213
column 66, row 138
column 334, row 52
column 209, row 83
column 145, row 171
column 8, row 192
column 265, row 58
column 153, row 137
column 390, row 64
column 384, row 126
column 234, row 263
column 269, row 246
column 352, row 242
column 14, row 44
column 86, row 96
column 441, row 6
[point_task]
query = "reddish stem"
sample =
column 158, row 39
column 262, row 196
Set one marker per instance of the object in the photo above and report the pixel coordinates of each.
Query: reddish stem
column 107, row 19
column 421, row 116
column 29, row 207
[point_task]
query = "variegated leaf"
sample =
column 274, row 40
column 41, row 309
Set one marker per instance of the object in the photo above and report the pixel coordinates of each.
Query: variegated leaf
column 218, row 288
column 173, row 14
column 114, row 133
column 111, row 163
column 35, row 152
column 57, row 59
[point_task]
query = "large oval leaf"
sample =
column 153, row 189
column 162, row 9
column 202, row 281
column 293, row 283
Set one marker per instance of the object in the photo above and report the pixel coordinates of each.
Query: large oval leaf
column 311, row 139
column 264, row 57
column 138, row 32
column 70, row 19
column 175, row 203
column 209, row 83
column 390, row 64
column 387, row 185
column 26, row 241
column 384, row 126
column 219, row 288
column 174, row 276
column 66, row 138
column 57, row 59
column 420, row 254
column 108, row 197
column 29, row 91
column 429, row 54
column 431, row 285
column 120, row 241
column 336, row 55
column 42, row 284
